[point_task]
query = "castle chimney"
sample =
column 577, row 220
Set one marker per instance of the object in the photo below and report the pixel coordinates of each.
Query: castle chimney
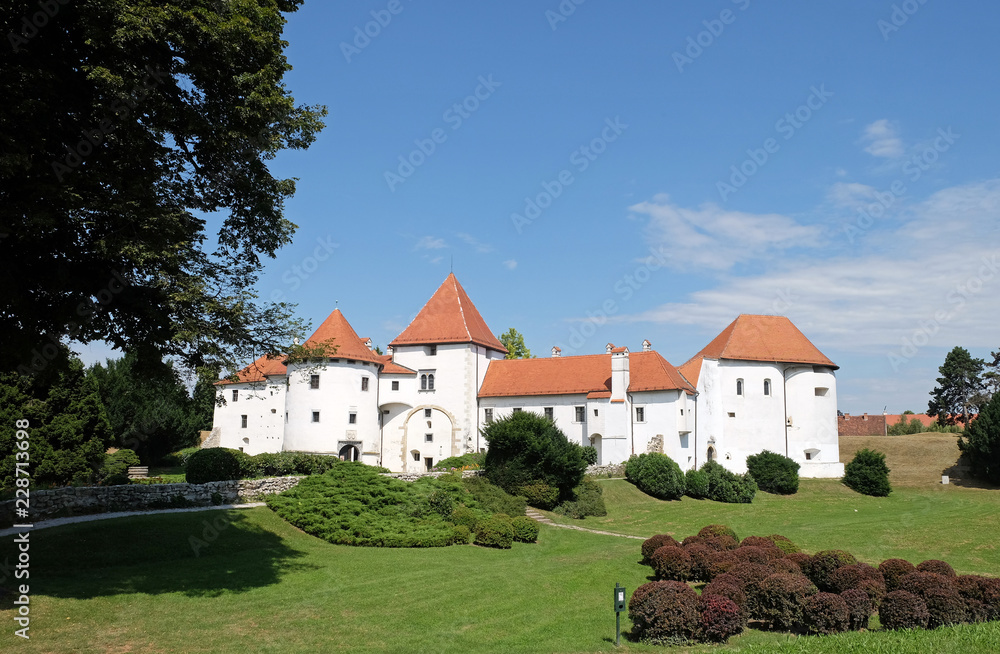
column 646, row 345
column 619, row 373
column 556, row 351
column 609, row 347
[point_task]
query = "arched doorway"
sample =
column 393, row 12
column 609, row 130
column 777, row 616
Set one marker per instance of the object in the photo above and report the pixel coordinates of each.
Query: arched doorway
column 711, row 453
column 349, row 453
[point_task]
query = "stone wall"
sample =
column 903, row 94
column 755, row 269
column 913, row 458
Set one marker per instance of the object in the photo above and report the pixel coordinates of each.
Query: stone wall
column 612, row 470
column 413, row 476
column 863, row 425
column 69, row 501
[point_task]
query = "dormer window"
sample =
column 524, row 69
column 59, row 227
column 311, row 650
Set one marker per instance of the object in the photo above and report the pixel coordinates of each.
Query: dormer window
column 432, row 350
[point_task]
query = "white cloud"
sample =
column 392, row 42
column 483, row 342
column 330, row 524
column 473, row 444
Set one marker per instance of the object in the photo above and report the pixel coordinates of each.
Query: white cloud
column 714, row 238
column 510, row 264
column 882, row 139
column 851, row 195
column 475, row 243
column 430, row 243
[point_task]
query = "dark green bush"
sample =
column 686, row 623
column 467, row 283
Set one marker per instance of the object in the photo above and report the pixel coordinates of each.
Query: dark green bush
column 525, row 448
column 588, row 500
column 492, row 498
column 709, row 531
column 783, row 599
column 468, row 461
column 720, row 618
column 893, row 570
column 464, row 516
column 664, row 612
column 634, row 466
column 726, row 486
column 938, row 567
column 590, row 455
column 525, row 529
column 315, row 464
column 654, row 543
column 179, row 458
column 672, row 563
column 114, row 470
column 774, row 473
column 658, row 476
column 215, row 464
column 540, row 495
column 903, row 610
column 822, row 564
column 442, row 502
column 495, row 531
column 859, row 609
column 696, row 484
column 826, row 613
column 868, row 474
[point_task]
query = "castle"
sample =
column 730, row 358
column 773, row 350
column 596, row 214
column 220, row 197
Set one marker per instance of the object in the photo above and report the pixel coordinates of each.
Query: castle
column 759, row 385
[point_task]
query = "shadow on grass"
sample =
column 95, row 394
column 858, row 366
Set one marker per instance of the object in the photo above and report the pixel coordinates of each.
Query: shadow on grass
column 960, row 474
column 202, row 554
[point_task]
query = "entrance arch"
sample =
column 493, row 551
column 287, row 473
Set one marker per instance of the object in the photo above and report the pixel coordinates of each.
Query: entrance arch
column 349, row 453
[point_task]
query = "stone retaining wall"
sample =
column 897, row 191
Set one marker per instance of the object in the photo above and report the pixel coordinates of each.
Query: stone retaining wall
column 61, row 502
column 413, row 476
column 612, row 470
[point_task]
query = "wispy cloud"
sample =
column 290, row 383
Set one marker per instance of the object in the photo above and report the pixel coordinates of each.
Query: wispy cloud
column 882, row 139
column 474, row 243
column 714, row 238
column 430, row 243
column 510, row 264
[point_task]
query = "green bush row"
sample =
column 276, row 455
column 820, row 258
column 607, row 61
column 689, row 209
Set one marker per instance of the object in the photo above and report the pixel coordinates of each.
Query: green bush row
column 222, row 464
column 659, row 476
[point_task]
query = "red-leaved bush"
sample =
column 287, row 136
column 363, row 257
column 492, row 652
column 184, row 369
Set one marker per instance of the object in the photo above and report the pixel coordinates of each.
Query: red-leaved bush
column 753, row 554
column 784, row 565
column 720, row 618
column 859, row 576
column 719, row 562
column 822, row 564
column 893, row 570
column 664, row 612
column 783, row 598
column 826, row 613
column 903, row 610
column 938, row 567
column 859, row 609
column 654, row 543
column 671, row 562
column 699, row 553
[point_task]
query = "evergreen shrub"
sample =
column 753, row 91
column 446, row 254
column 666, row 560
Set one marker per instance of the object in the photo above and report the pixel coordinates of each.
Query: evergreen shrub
column 774, row 473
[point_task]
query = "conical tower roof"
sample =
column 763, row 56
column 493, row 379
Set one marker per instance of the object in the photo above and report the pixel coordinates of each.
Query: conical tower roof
column 345, row 339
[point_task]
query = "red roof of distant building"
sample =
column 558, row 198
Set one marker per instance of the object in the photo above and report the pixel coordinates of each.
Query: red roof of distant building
column 344, row 339
column 258, row 371
column 591, row 374
column 758, row 338
column 449, row 317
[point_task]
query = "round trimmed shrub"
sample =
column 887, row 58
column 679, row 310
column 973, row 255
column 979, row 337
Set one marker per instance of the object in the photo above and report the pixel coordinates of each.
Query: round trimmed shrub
column 719, row 562
column 721, row 543
column 752, row 554
column 718, row 530
column 783, row 599
column 944, row 606
column 540, row 495
column 215, row 464
column 990, row 590
column 664, row 612
column 728, row 589
column 463, row 515
column 699, row 561
column 868, row 474
column 784, row 566
column 826, row 613
column 937, row 567
column 919, row 583
column 784, row 544
column 800, row 559
column 751, row 576
column 654, row 543
column 859, row 609
column 774, row 473
column 758, row 541
column 525, row 529
column 495, row 531
column 720, row 618
column 859, row 576
column 462, row 535
column 660, row 477
column 671, row 562
column 691, row 540
column 893, row 570
column 903, row 610
column 696, row 484
column 981, row 594
column 822, row 564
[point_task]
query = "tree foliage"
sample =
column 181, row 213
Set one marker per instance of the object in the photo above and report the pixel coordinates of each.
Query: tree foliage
column 959, row 388
column 513, row 340
column 525, row 449
column 868, row 474
column 133, row 121
column 981, row 441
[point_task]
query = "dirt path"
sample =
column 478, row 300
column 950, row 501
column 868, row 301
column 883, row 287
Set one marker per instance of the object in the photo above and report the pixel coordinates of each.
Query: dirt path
column 538, row 517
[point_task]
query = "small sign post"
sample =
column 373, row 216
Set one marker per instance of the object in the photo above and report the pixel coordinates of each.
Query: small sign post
column 619, row 609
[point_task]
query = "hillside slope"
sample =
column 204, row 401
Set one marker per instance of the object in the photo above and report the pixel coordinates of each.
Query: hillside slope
column 916, row 459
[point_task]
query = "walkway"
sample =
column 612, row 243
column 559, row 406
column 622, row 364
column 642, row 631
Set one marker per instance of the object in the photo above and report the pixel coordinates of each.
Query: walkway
column 56, row 522
column 538, row 517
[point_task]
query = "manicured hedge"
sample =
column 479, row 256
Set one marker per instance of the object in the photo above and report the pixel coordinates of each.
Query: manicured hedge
column 587, row 500
column 671, row 562
column 525, row 529
column 868, row 474
column 696, row 484
column 774, row 473
column 893, row 570
column 221, row 464
column 664, row 612
column 726, row 486
column 783, row 598
column 495, row 531
column 215, row 464
column 720, row 618
column 826, row 613
column 654, row 543
column 656, row 475
column 822, row 564
column 903, row 610
column 859, row 609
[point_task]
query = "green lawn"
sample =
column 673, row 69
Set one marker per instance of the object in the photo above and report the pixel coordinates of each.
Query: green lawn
column 135, row 585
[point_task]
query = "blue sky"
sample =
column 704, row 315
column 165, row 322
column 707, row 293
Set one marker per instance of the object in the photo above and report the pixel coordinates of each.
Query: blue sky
column 834, row 162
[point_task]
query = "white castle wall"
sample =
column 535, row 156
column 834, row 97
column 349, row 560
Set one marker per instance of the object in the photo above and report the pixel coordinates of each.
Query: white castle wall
column 263, row 403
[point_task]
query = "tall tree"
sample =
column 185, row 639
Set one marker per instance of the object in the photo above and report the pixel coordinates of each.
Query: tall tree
column 513, row 340
column 125, row 125
column 981, row 441
column 959, row 388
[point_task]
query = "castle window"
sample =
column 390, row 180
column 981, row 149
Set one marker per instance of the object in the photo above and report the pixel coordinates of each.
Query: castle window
column 595, row 412
column 416, row 456
column 548, row 412
column 427, row 380
column 243, row 421
column 820, row 391
column 364, row 383
column 352, row 418
column 767, row 387
column 313, row 381
column 640, row 414
column 739, row 387
column 427, row 413
column 395, row 385
column 488, row 413
column 236, row 396
column 432, row 350
column 580, row 414
column 315, row 416
column 517, row 409
column 428, row 438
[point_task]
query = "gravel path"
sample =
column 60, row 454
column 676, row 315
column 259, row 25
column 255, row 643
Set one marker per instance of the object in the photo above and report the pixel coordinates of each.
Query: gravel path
column 535, row 515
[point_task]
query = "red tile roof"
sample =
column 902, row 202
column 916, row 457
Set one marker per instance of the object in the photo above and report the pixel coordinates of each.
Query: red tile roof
column 392, row 368
column 449, row 317
column 591, row 374
column 758, row 338
column 346, row 341
column 258, row 371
